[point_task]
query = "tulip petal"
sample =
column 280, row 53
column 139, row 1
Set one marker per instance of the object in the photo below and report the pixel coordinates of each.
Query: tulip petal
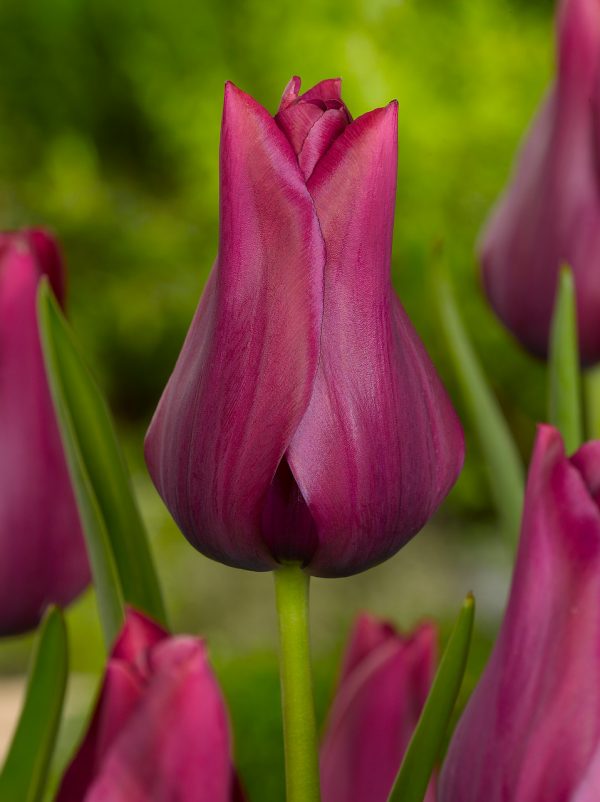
column 121, row 692
column 532, row 725
column 290, row 93
column 175, row 745
column 42, row 552
column 327, row 128
column 587, row 790
column 380, row 445
column 328, row 89
column 138, row 634
column 296, row 122
column 578, row 54
column 246, row 372
column 374, row 714
column 47, row 254
column 122, row 689
column 550, row 214
column 368, row 634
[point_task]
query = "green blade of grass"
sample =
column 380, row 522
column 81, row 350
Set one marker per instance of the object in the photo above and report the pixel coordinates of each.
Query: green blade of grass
column 498, row 446
column 120, row 556
column 564, row 385
column 424, row 747
column 25, row 770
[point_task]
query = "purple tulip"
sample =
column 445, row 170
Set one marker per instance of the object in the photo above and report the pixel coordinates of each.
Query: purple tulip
column 383, row 686
column 160, row 731
column 531, row 731
column 304, row 420
column 42, row 551
column 550, row 214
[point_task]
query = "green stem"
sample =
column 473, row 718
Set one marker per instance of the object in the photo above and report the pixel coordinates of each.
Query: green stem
column 299, row 724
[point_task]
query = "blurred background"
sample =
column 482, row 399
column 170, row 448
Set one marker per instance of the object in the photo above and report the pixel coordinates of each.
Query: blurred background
column 109, row 129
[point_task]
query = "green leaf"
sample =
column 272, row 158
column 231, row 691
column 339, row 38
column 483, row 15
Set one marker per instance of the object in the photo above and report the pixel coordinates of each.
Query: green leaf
column 424, row 747
column 24, row 774
column 499, row 449
column 591, row 388
column 117, row 543
column 564, row 388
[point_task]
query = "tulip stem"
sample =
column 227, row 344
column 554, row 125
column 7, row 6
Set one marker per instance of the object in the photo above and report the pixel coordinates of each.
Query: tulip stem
column 299, row 723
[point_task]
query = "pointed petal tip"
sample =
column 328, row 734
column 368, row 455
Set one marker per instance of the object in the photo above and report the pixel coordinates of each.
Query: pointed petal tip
column 290, row 93
column 548, row 436
column 138, row 633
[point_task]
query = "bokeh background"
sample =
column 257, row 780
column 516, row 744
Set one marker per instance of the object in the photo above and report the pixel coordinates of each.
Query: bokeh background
column 109, row 128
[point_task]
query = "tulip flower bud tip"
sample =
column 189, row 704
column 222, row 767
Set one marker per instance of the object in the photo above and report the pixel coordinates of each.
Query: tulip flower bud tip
column 326, row 398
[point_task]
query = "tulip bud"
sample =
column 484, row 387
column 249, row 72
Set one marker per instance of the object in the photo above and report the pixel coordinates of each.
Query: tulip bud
column 550, row 213
column 383, row 686
column 304, row 420
column 42, row 551
column 159, row 731
column 531, row 730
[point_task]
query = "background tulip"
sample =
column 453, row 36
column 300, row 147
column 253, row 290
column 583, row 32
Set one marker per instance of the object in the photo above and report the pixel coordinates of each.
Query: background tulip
column 383, row 686
column 550, row 214
column 531, row 731
column 42, row 552
column 303, row 420
column 159, row 731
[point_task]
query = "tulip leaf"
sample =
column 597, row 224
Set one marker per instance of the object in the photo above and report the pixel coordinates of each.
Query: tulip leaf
column 117, row 543
column 424, row 747
column 564, row 387
column 23, row 777
column 501, row 454
column 591, row 386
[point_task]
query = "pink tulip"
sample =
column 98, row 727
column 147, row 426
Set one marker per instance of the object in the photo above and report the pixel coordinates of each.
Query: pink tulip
column 384, row 683
column 160, row 731
column 304, row 421
column 531, row 731
column 550, row 214
column 42, row 552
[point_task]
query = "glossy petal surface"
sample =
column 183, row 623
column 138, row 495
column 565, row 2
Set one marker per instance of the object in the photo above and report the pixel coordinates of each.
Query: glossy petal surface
column 42, row 551
column 532, row 726
column 304, row 420
column 245, row 375
column 379, row 445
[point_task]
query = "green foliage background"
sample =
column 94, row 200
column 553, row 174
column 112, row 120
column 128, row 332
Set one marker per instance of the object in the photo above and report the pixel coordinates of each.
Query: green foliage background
column 109, row 127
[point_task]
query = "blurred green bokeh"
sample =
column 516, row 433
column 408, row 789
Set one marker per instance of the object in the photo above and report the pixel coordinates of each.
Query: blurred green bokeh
column 109, row 129
column 110, row 117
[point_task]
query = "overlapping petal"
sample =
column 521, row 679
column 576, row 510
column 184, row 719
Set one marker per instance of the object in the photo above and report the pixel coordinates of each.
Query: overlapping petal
column 382, row 689
column 160, row 729
column 532, row 727
column 304, row 420
column 245, row 375
column 42, row 552
column 379, row 445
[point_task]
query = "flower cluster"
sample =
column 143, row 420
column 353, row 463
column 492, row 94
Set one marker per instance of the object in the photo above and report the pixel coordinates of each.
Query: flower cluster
column 305, row 431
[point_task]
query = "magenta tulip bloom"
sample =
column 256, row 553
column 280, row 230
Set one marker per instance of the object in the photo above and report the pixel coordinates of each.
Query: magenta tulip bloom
column 384, row 683
column 304, row 421
column 160, row 731
column 550, row 214
column 42, row 552
column 531, row 731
